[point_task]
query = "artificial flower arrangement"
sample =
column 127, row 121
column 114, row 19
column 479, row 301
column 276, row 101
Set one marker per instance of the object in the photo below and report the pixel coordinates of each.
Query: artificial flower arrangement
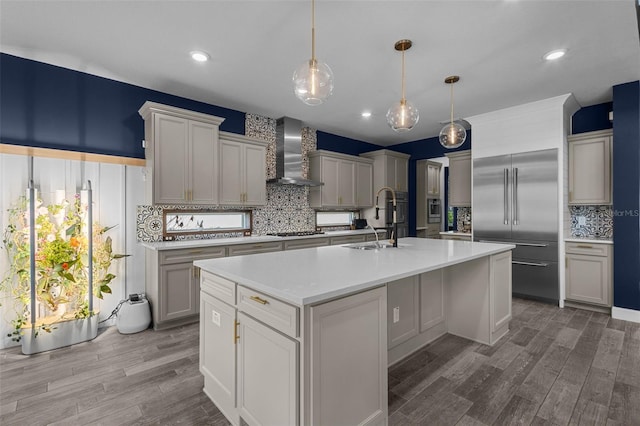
column 61, row 263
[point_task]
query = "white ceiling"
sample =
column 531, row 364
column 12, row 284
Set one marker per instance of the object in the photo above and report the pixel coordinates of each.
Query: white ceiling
column 495, row 46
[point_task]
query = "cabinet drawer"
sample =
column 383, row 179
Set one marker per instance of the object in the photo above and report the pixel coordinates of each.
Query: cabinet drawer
column 189, row 255
column 241, row 249
column 345, row 239
column 591, row 249
column 307, row 243
column 219, row 287
column 279, row 315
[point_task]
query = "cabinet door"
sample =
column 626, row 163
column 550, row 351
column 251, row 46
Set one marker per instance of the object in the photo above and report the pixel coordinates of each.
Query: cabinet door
column 218, row 353
column 402, row 174
column 587, row 279
column 590, row 171
column 171, row 160
column 433, row 180
column 177, row 288
column 500, row 290
column 402, row 310
column 267, row 375
column 460, row 181
column 203, row 163
column 231, row 169
column 390, row 170
column 330, row 189
column 346, row 183
column 255, row 185
column 431, row 299
column 364, row 185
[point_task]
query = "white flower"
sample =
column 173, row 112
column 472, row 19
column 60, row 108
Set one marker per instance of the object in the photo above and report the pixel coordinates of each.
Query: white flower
column 51, row 237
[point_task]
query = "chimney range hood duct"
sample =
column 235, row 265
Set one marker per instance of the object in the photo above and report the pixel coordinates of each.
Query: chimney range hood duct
column 289, row 154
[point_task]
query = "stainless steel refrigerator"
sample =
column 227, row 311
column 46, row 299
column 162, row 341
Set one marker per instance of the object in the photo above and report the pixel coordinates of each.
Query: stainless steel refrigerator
column 515, row 200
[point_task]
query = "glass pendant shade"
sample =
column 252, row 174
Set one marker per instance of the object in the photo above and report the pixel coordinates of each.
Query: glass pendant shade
column 402, row 116
column 313, row 82
column 452, row 135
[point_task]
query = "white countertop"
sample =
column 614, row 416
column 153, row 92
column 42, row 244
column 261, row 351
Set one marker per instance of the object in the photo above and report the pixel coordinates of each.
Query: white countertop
column 213, row 242
column 314, row 275
column 588, row 240
column 456, row 233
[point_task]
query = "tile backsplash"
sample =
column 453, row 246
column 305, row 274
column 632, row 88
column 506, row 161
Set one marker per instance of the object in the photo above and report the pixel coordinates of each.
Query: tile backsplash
column 463, row 215
column 591, row 221
column 287, row 208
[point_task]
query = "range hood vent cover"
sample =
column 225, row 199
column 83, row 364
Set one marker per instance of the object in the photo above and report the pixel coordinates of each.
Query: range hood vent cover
column 289, row 154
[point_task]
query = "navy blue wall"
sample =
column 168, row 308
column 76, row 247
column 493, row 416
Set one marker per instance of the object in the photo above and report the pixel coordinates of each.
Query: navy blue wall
column 335, row 143
column 626, row 195
column 591, row 118
column 52, row 107
column 420, row 150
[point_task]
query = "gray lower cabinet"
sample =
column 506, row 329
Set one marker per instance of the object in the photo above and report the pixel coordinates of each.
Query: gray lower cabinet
column 432, row 311
column 588, row 273
column 172, row 284
column 253, row 358
column 242, row 249
column 306, row 243
column 347, row 239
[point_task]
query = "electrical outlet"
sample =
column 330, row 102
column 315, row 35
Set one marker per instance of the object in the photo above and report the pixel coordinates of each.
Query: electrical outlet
column 396, row 314
column 582, row 221
column 215, row 318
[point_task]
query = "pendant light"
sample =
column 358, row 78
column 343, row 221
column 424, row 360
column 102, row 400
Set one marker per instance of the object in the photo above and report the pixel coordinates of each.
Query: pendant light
column 453, row 134
column 313, row 79
column 403, row 115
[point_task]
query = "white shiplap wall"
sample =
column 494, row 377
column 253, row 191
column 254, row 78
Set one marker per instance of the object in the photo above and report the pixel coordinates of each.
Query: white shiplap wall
column 117, row 190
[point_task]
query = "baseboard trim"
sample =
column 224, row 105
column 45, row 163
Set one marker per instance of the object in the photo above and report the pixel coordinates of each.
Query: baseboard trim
column 625, row 314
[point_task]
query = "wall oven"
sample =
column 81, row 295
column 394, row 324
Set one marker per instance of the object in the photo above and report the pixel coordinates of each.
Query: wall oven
column 434, row 210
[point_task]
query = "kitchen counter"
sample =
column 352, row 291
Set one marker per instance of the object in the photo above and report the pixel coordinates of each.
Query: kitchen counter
column 315, row 275
column 285, row 327
column 456, row 233
column 589, row 240
column 213, row 242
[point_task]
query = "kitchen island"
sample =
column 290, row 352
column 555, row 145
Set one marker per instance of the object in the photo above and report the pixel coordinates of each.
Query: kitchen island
column 305, row 337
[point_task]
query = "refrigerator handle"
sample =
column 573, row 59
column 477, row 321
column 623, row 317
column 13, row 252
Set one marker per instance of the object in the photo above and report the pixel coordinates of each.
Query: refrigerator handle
column 505, row 189
column 514, row 196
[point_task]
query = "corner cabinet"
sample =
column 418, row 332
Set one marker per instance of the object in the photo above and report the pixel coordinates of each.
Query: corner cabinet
column 181, row 150
column 243, row 175
column 589, row 273
column 590, row 167
column 390, row 169
column 346, row 178
column 460, row 179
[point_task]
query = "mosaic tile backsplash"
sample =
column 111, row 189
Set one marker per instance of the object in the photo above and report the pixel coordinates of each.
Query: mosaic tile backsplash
column 463, row 215
column 598, row 222
column 287, row 208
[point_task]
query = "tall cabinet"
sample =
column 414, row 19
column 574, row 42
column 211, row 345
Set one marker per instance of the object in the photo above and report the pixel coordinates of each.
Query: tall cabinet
column 181, row 149
column 427, row 187
column 390, row 169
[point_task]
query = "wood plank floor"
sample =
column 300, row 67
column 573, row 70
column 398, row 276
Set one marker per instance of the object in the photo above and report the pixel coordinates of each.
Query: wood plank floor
column 556, row 366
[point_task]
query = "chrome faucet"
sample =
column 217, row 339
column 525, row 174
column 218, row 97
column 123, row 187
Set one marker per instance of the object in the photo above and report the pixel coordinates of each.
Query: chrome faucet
column 376, row 234
column 394, row 239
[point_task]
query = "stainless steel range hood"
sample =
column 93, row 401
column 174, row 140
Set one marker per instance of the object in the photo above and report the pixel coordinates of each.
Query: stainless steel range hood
column 289, row 154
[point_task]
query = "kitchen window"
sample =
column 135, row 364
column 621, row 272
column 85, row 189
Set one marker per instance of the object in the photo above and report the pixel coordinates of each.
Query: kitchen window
column 335, row 218
column 185, row 222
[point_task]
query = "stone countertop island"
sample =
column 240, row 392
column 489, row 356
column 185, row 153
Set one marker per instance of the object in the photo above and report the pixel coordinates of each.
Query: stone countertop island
column 306, row 336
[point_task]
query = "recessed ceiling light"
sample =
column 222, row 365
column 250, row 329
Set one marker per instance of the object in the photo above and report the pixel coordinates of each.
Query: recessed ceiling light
column 199, row 56
column 366, row 114
column 555, row 54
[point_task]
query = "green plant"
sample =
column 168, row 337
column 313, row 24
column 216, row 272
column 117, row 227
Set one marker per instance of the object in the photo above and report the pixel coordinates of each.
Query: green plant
column 61, row 262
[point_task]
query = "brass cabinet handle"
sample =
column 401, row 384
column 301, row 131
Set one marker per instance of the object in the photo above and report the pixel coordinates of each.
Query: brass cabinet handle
column 259, row 300
column 236, row 336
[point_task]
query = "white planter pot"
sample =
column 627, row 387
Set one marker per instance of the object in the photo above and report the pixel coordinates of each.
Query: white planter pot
column 66, row 333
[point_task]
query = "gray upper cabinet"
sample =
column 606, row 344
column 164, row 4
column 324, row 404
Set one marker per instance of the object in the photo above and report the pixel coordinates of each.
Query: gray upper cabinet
column 460, row 179
column 390, row 169
column 590, row 167
column 243, row 175
column 346, row 178
column 182, row 155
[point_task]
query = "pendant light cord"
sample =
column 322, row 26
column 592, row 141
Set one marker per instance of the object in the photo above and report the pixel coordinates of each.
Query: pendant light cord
column 313, row 30
column 403, row 99
column 452, row 102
